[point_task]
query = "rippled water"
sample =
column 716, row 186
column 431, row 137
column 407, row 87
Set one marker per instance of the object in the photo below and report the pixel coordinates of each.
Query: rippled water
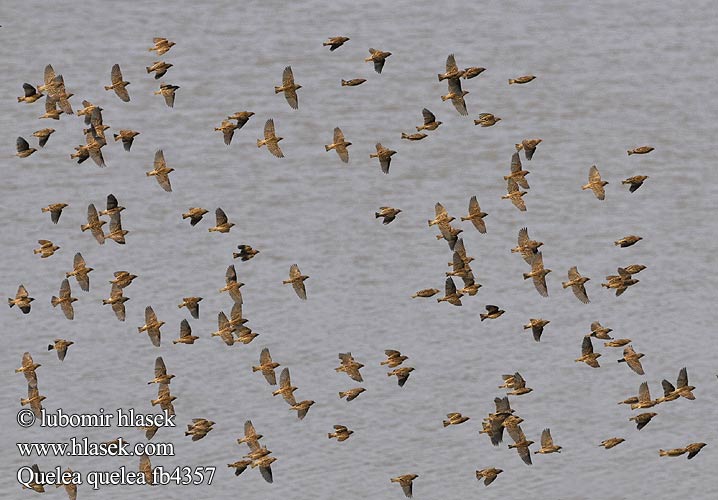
column 611, row 76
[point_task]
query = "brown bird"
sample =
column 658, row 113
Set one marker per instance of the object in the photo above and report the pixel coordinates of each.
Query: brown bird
column 240, row 466
column 168, row 92
column 576, row 282
column 60, row 346
column 246, row 252
column 350, row 366
column 271, row 139
column 302, row 408
column 35, row 483
column 264, row 464
column 521, row 79
column 393, row 358
column 388, row 213
column 627, row 241
column 161, row 376
column 339, row 145
column 162, row 45
column 161, row 172
column 632, row 359
column 222, row 223
column 595, row 183
column 635, row 182
column 296, row 279
column 489, row 475
column 116, row 234
column 227, row 128
column 151, row 326
column 186, row 336
column 55, row 210
column 123, row 279
column 682, row 389
column 250, row 436
column 378, row 57
column 286, row 389
column 515, row 195
column 450, row 294
column 527, row 247
column 521, row 444
column 587, row 355
column 538, row 273
column 694, row 448
column 192, row 305
column 454, row 419
column 529, row 146
column 43, row 135
column 402, row 374
column 341, row 433
column 22, row 300
column 644, row 398
column 487, row 120
column 518, row 384
column 64, row 300
column 452, row 70
column 159, row 68
column 643, row 419
column 617, row 343
column 492, row 312
column 476, row 216
column 448, row 233
column 113, row 206
column 94, row 224
column 517, row 172
column 610, row 443
column 456, row 95
column 28, row 369
column 600, row 332
column 430, row 122
column 34, row 399
column 351, row 394
column 194, row 214
column 426, row 292
column 641, row 150
column 126, row 136
column 536, row 326
column 413, row 137
column 266, row 366
column 441, row 215
column 47, row 249
column 31, row 94
column 675, row 452
column 634, row 268
column 406, row 482
column 118, row 84
column 232, row 285
column 335, row 42
column 225, row 330
column 384, row 155
column 51, row 111
column 547, row 445
column 146, row 470
column 242, row 118
column 23, row 148
column 289, row 88
column 353, row 82
column 164, row 399
column 117, row 301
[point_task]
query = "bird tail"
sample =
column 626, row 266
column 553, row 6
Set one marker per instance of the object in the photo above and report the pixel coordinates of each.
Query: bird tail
column 630, row 153
column 661, row 453
column 377, row 215
column 148, row 69
column 259, row 143
column 255, row 369
column 565, row 284
column 621, row 360
column 443, row 98
column 446, row 423
column 277, row 90
column 108, row 88
column 327, row 148
column 10, row 302
column 441, row 77
column 342, row 394
column 50, row 347
column 139, row 329
column 235, row 255
column 404, row 136
column 483, row 316
column 511, row 80
column 344, row 84
column 54, row 301
column 526, row 276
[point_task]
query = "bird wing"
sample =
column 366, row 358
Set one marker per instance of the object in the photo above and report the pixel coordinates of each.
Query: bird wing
column 185, row 329
column 546, row 440
column 515, row 163
column 290, row 92
column 586, row 346
column 284, row 379
column 428, row 116
column 451, row 64
column 146, row 468
column 29, row 90
column 269, row 132
column 163, row 180
column 168, row 92
column 450, row 287
column 230, row 275
column 65, row 289
column 221, row 217
column 150, row 316
column 644, row 396
column 458, row 99
column 338, row 135
column 21, row 145
column 265, row 357
column 682, row 378
column 580, row 292
column 160, row 368
column 300, row 289
column 159, row 162
column 111, row 202
column 116, row 74
column 249, row 430
column 49, row 74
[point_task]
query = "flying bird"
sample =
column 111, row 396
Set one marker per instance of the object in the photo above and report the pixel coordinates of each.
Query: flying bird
column 289, row 88
column 595, row 183
column 270, row 139
column 378, row 57
column 118, row 84
column 161, row 172
column 335, row 42
column 384, row 155
column 339, row 145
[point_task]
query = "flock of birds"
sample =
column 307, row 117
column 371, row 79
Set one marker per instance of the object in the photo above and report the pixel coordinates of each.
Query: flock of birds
column 233, row 329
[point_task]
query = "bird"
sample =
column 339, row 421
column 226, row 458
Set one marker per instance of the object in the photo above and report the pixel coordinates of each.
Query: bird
column 266, row 366
column 341, row 433
column 643, row 419
column 536, row 326
column 127, row 136
column 168, row 92
column 452, row 70
column 617, row 343
column 644, row 398
column 222, row 223
column 51, row 111
column 413, row 137
column 454, row 419
column 587, row 355
column 232, row 285
column 694, row 448
column 675, row 452
column 456, row 96
column 378, row 57
column 113, row 206
column 610, row 443
column 529, row 146
column 286, row 389
column 682, row 388
column 160, row 171
column 350, row 366
column 302, row 408
column 634, row 268
column 161, row 376
column 192, row 305
column 635, row 182
column 31, row 94
column 641, row 150
column 289, row 88
column 116, row 234
column 518, row 385
column 515, row 195
column 240, row 466
column 340, row 145
column 600, row 332
column 35, row 483
column 406, row 481
column 527, row 247
column 577, row 282
column 186, row 336
column 393, row 358
column 430, row 122
column 146, row 470
column 296, row 279
column 492, row 312
column 426, row 292
column 335, row 42
column 162, row 45
column 123, row 279
column 64, row 300
column 632, row 359
column 538, row 274
column 250, row 436
column 353, row 82
column 242, row 118
column 521, row 79
column 475, row 215
column 28, row 368
column 547, row 445
column 450, row 293
column 199, row 428
column 521, row 444
column 164, row 399
column 225, row 329
column 489, row 475
column 43, row 135
column 117, row 301
column 271, row 139
column 517, row 172
column 94, row 224
column 401, row 374
column 351, row 394
column 119, row 84
column 487, row 120
column 22, row 300
column 441, row 215
column 627, row 241
column 472, row 72
column 47, row 249
column 246, row 253
column 159, row 68
column 595, row 183
column 384, row 155
column 23, row 148
column 152, row 326
column 388, row 213
column 60, row 347
column 55, row 210
column 227, row 128
column 194, row 214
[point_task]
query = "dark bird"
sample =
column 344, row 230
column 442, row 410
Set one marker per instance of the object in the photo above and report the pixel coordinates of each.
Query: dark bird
column 489, row 475
column 587, row 355
column 55, row 211
column 353, row 82
column 289, row 88
column 388, row 213
column 60, row 347
column 64, row 300
column 430, row 122
column 335, row 42
column 126, row 136
column 192, row 305
column 384, row 155
column 536, row 326
column 643, row 419
column 159, row 68
column 271, row 139
column 641, row 150
column 577, row 282
column 521, row 79
column 186, row 336
column 246, row 252
column 492, row 312
column 31, row 94
column 119, row 84
column 296, row 279
column 635, row 182
column 222, row 224
column 43, row 135
column 194, row 214
column 23, row 148
column 161, row 172
column 627, row 241
column 378, row 57
column 406, row 482
column 339, row 145
column 168, row 92
column 595, row 183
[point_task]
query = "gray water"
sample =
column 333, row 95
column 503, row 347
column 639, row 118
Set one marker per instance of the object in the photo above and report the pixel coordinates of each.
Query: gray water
column 610, row 76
